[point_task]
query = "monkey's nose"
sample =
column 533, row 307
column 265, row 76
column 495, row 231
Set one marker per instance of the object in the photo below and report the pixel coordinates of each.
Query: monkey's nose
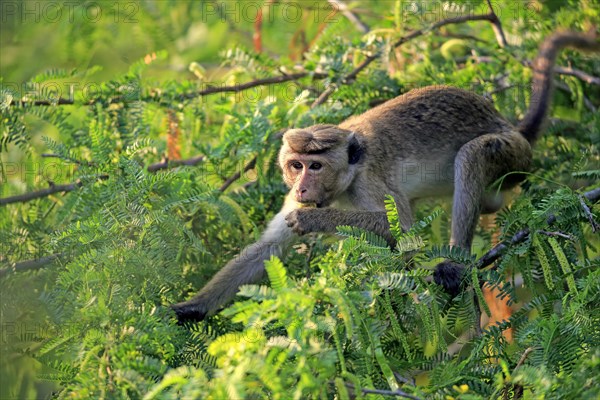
column 300, row 193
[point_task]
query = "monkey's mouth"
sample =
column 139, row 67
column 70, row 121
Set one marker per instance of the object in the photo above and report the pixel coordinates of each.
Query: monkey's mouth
column 308, row 204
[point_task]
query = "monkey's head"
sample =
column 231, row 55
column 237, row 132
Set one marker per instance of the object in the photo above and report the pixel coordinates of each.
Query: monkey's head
column 319, row 162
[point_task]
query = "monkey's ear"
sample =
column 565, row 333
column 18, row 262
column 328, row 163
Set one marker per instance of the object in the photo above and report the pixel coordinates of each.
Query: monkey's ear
column 355, row 150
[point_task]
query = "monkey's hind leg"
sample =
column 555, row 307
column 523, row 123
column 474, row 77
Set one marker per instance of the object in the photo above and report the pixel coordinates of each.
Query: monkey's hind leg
column 478, row 163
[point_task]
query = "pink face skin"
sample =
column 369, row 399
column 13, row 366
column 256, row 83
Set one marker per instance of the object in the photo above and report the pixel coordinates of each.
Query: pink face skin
column 305, row 174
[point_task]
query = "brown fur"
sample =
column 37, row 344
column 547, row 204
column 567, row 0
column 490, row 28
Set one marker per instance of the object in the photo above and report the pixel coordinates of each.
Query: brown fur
column 428, row 142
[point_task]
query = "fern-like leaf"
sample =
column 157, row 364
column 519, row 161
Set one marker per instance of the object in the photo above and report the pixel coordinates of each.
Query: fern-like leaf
column 277, row 274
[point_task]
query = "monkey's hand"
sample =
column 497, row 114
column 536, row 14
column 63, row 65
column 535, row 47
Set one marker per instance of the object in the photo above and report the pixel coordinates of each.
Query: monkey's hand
column 449, row 275
column 191, row 310
column 307, row 220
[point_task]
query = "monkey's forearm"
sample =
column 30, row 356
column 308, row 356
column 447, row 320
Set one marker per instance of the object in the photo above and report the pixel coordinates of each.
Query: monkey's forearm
column 246, row 268
column 307, row 220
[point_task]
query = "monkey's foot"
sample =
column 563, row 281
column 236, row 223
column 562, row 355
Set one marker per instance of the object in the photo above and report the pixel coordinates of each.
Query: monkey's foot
column 449, row 275
column 189, row 311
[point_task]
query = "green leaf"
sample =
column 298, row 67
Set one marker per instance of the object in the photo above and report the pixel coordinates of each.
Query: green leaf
column 277, row 273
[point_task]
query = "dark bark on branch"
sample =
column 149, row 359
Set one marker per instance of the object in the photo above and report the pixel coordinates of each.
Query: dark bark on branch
column 28, row 265
column 516, row 388
column 208, row 91
column 165, row 164
column 248, row 85
column 384, row 392
column 420, row 32
column 69, row 187
column 579, row 74
column 497, row 251
column 238, row 174
column 22, row 198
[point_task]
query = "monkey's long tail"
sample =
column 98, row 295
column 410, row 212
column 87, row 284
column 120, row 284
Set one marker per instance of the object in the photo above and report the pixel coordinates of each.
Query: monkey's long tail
column 543, row 66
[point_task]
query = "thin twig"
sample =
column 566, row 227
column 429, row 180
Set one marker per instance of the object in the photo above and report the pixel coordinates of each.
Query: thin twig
column 397, row 392
column 414, row 34
column 523, row 357
column 497, row 26
column 563, row 86
column 238, row 174
column 69, row 187
column 517, row 389
column 258, row 82
column 562, row 70
column 277, row 136
column 166, row 163
column 402, row 379
column 556, row 234
column 341, row 6
column 588, row 214
column 582, row 75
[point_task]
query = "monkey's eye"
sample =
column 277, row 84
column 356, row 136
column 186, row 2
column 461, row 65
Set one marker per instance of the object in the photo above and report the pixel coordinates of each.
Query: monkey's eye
column 316, row 166
column 296, row 165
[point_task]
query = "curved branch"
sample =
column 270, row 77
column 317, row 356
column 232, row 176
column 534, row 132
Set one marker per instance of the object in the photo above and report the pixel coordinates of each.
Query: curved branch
column 341, row 6
column 165, row 164
column 23, row 198
column 29, row 265
column 581, row 75
column 204, row 92
column 498, row 250
column 69, row 187
column 258, row 82
column 420, row 32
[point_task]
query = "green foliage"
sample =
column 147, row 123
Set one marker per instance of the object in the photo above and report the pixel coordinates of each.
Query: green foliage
column 335, row 319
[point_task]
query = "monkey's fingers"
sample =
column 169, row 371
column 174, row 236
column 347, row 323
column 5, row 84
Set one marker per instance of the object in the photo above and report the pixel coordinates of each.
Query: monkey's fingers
column 294, row 222
column 449, row 275
column 189, row 312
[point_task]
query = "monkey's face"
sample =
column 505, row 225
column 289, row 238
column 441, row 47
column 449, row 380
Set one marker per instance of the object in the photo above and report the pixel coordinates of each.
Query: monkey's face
column 311, row 179
column 318, row 163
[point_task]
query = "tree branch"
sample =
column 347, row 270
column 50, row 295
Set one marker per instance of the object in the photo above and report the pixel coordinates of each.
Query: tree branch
column 28, row 265
column 397, row 392
column 341, row 6
column 69, row 187
column 208, row 91
column 258, row 82
column 166, row 163
column 497, row 251
column 420, row 32
column 588, row 214
column 517, row 389
column 238, row 174
column 497, row 26
column 561, row 70
column 22, row 198
column 582, row 75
